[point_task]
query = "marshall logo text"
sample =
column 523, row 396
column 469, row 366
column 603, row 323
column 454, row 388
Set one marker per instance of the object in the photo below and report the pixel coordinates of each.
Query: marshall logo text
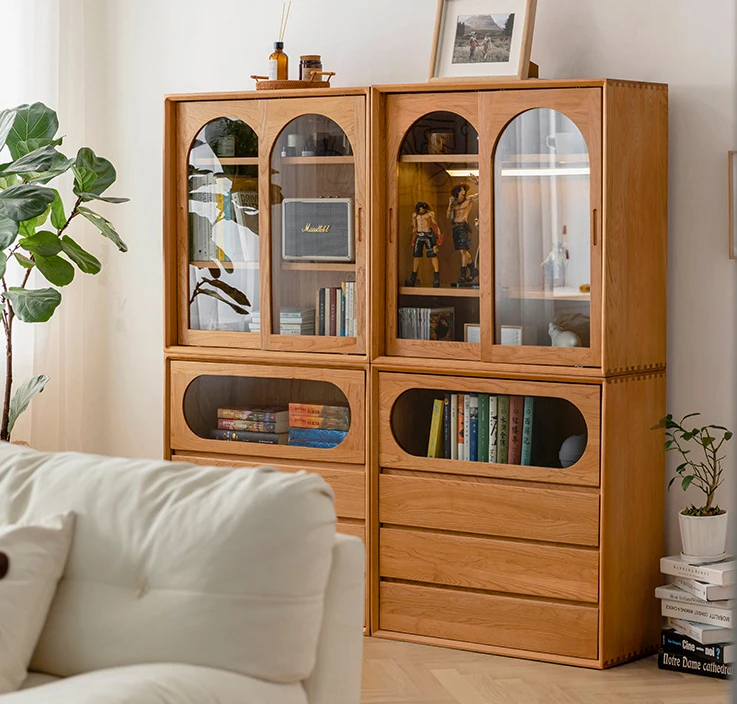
column 309, row 227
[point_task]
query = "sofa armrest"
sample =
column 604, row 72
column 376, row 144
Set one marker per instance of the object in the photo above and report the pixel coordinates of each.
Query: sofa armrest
column 336, row 678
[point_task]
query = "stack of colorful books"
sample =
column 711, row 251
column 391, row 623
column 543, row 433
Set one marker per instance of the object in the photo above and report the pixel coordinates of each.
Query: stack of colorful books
column 268, row 425
column 317, row 425
column 698, row 607
column 336, row 310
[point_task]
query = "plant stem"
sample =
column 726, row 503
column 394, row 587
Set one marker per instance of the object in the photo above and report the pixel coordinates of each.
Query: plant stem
column 8, row 325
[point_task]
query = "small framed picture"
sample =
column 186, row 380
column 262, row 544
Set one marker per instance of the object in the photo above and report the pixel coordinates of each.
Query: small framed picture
column 512, row 335
column 472, row 332
column 733, row 205
column 482, row 38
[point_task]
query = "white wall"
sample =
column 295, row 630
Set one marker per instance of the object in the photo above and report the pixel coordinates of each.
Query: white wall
column 143, row 49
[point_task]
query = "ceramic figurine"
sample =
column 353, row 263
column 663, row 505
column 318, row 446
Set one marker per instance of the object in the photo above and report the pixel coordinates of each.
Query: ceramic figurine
column 563, row 338
column 459, row 208
column 425, row 236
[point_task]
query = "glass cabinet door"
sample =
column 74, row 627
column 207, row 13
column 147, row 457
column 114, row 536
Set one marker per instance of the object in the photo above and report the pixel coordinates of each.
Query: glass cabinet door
column 546, row 191
column 436, row 202
column 317, row 248
column 223, row 229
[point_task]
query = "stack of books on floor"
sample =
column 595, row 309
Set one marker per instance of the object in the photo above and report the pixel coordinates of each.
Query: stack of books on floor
column 336, row 310
column 317, row 425
column 427, row 324
column 268, row 425
column 297, row 321
column 478, row 427
column 699, row 611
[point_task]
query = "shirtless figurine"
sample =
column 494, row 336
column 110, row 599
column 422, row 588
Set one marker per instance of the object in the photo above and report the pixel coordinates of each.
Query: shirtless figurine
column 459, row 208
column 425, row 232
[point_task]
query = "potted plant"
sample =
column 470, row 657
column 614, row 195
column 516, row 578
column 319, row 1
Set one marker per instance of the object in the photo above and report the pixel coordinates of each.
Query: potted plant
column 703, row 528
column 35, row 243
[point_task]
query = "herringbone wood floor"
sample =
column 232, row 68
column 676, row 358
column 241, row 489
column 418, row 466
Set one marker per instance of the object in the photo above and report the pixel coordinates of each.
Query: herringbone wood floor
column 405, row 673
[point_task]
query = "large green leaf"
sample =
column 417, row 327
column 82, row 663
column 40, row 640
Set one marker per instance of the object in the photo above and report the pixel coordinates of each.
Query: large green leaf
column 45, row 244
column 104, row 226
column 23, row 202
column 38, row 160
column 56, row 270
column 83, row 259
column 8, row 231
column 238, row 296
column 34, row 126
column 22, row 397
column 59, row 165
column 3, row 263
column 29, row 227
column 92, row 174
column 25, row 262
column 107, row 199
column 58, row 216
column 7, row 117
column 33, row 305
column 8, row 181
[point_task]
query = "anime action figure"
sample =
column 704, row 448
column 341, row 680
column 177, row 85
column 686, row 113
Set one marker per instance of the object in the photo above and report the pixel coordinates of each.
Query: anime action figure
column 459, row 208
column 425, row 235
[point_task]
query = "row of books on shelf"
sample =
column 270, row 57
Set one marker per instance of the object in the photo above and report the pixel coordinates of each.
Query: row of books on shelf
column 292, row 321
column 336, row 310
column 427, row 323
column 479, row 427
column 298, row 424
column 698, row 607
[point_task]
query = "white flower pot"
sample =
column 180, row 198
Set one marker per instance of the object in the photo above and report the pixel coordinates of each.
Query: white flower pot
column 703, row 536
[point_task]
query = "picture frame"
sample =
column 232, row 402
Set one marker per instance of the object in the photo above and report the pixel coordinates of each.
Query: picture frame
column 472, row 332
column 732, row 161
column 511, row 335
column 474, row 39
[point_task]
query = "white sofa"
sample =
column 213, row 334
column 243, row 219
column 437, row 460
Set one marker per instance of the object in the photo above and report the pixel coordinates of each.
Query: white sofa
column 190, row 585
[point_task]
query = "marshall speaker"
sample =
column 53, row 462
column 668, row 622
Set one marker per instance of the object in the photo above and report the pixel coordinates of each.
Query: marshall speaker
column 317, row 228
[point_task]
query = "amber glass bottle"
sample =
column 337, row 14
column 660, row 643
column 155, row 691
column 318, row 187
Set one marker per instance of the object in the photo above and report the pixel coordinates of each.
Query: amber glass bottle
column 278, row 63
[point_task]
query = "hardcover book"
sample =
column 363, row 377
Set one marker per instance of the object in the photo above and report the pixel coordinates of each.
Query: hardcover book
column 446, row 427
column 526, row 457
column 707, row 592
column 257, row 426
column 325, row 422
column 473, row 427
column 502, row 451
column 701, row 632
column 331, row 438
column 516, row 413
column 675, row 642
column 249, row 436
column 694, row 665
column 270, row 414
column 696, row 614
column 435, row 441
column 493, row 426
column 316, row 409
column 483, row 429
column 461, row 425
column 675, row 593
column 719, row 573
column 454, row 426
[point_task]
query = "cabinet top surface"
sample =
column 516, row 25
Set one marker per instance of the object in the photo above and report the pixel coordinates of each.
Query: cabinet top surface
column 268, row 94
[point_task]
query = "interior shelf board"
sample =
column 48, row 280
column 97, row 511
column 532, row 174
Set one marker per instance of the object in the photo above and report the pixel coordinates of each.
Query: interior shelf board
column 440, row 158
column 560, row 294
column 318, row 266
column 226, row 161
column 556, row 159
column 316, row 160
column 225, row 265
column 442, row 292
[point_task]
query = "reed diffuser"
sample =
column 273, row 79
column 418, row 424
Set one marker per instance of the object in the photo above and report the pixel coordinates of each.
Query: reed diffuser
column 279, row 61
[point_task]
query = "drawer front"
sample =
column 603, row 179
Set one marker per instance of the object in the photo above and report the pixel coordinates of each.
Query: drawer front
column 552, row 515
column 485, row 563
column 561, row 413
column 525, row 624
column 349, row 485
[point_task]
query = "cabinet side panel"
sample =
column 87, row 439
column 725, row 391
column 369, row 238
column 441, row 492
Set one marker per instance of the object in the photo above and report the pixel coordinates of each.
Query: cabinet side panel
column 635, row 222
column 632, row 510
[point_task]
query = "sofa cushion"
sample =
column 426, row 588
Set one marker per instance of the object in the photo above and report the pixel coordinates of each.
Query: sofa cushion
column 34, row 555
column 171, row 562
column 159, row 684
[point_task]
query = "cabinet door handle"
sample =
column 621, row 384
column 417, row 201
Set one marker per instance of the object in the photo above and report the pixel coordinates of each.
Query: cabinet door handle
column 360, row 211
column 594, row 226
column 391, row 225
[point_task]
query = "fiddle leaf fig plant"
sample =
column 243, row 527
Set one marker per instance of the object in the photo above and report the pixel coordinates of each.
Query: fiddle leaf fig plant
column 702, row 469
column 34, row 224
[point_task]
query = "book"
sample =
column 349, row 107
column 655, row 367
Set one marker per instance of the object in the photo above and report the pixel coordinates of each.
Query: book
column 709, row 615
column 454, row 426
column 493, row 425
column 701, row 632
column 326, row 422
column 516, row 413
column 675, row 642
column 249, row 436
column 435, row 441
column 317, row 435
column 331, row 314
column 483, row 429
column 502, row 451
column 707, row 592
column 719, row 573
column 269, row 414
column 257, row 426
column 694, row 665
column 461, row 436
column 526, row 456
column 446, row 426
column 473, row 428
column 674, row 592
column 318, row 409
column 466, row 425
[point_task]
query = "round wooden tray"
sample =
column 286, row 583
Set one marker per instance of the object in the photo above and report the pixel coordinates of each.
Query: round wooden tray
column 263, row 82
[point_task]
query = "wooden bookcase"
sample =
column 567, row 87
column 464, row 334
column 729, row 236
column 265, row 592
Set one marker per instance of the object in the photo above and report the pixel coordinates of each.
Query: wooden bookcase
column 568, row 225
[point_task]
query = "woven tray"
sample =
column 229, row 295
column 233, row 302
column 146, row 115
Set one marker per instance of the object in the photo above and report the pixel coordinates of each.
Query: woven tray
column 263, row 82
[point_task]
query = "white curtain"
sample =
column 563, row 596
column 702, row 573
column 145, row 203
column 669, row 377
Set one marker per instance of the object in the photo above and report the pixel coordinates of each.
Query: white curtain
column 44, row 42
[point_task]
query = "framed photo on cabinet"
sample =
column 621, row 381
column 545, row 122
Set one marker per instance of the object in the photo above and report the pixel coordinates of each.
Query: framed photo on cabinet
column 482, row 39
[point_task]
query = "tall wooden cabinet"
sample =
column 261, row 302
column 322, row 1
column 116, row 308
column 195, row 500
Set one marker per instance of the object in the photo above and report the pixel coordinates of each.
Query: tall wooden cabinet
column 508, row 247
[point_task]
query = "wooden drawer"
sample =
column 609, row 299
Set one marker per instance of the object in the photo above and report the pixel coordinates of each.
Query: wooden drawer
column 550, row 514
column 525, row 624
column 494, row 565
column 348, row 483
column 199, row 388
column 405, row 410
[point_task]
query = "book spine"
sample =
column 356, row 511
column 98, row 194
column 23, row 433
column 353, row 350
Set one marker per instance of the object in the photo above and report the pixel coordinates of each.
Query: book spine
column 473, row 430
column 675, row 592
column 454, row 426
column 702, row 633
column 502, row 453
column 461, row 426
column 249, row 436
column 324, row 422
column 446, row 426
column 245, row 414
column 696, row 613
column 301, row 442
column 333, row 309
column 526, row 457
column 316, row 409
column 675, row 642
column 516, row 413
column 694, row 665
column 493, row 426
column 257, row 426
column 434, row 444
column 483, row 431
column 318, row 313
column 712, row 575
column 318, row 434
column 705, row 592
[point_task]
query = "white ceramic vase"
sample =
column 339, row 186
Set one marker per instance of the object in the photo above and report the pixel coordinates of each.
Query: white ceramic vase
column 703, row 536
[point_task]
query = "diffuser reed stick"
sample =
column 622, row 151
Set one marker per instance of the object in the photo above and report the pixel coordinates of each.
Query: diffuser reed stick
column 286, row 7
